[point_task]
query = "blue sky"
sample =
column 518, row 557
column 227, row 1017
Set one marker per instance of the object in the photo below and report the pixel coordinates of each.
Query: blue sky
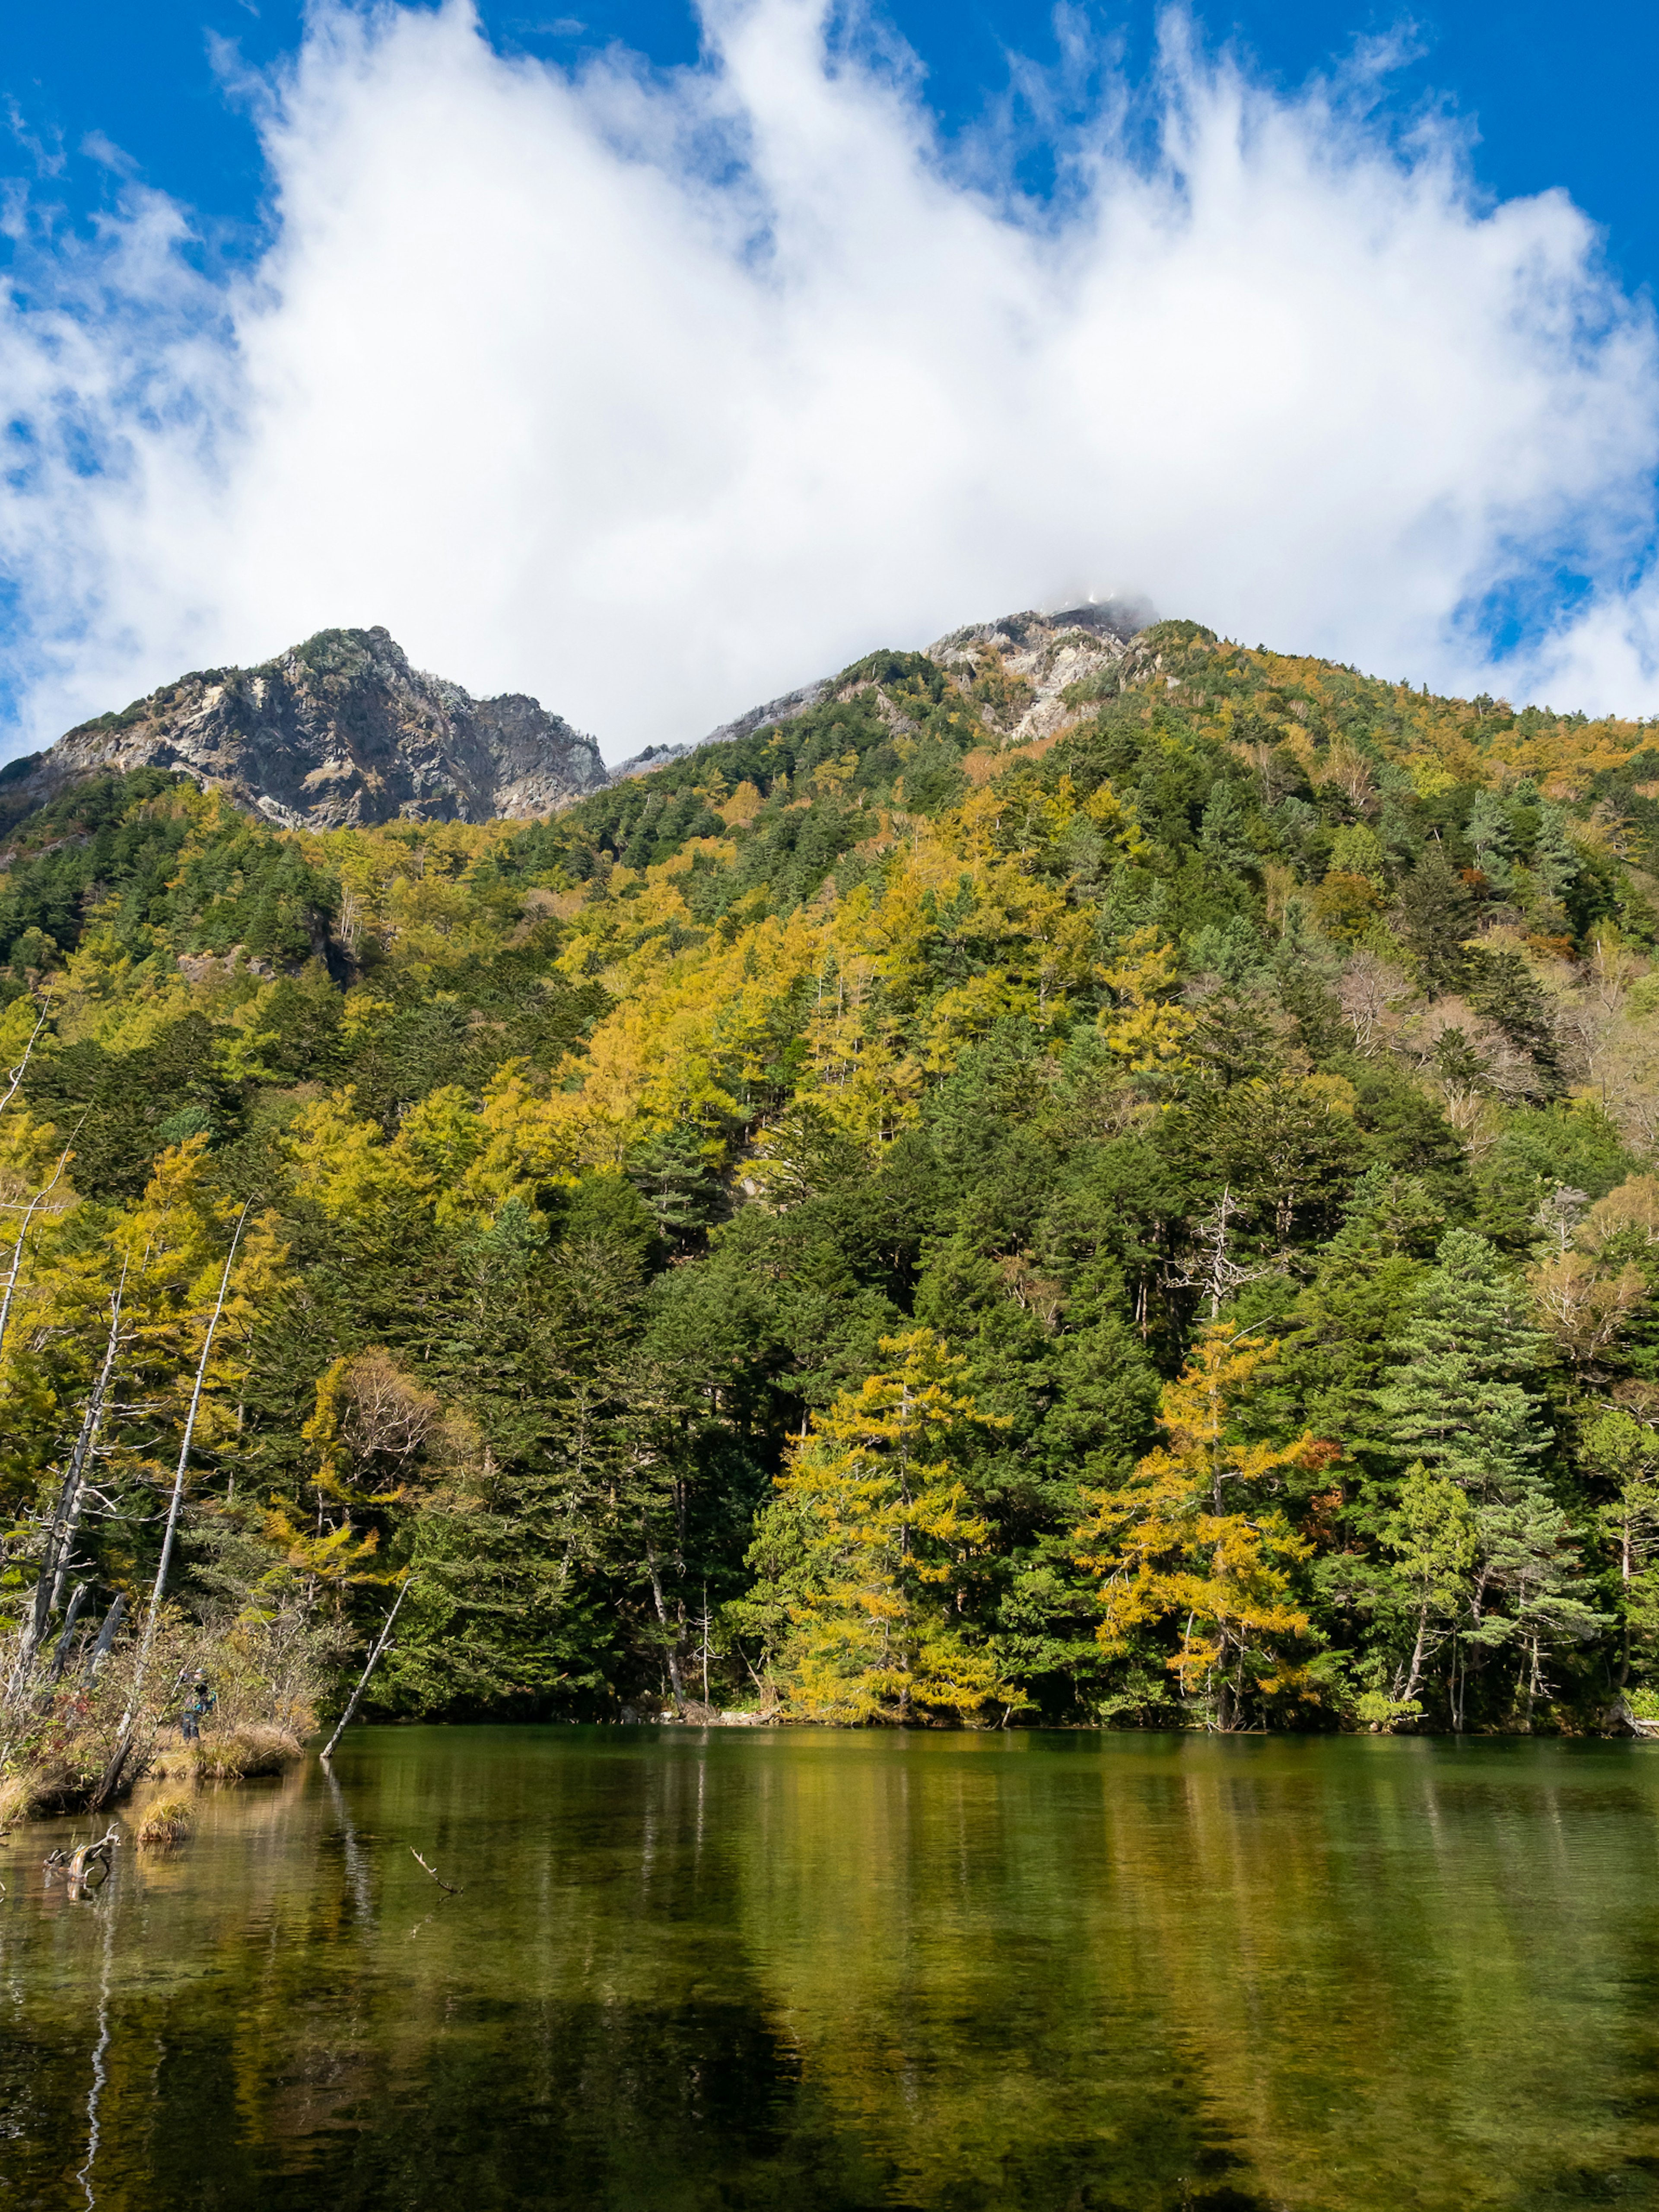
column 1558, row 96
column 495, row 337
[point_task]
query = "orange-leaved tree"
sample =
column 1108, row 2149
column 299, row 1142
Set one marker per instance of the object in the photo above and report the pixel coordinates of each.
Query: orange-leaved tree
column 1191, row 1544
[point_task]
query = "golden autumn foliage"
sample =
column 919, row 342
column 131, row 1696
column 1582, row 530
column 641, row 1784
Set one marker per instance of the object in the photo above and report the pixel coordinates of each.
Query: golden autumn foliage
column 1191, row 1543
column 1146, row 1030
column 601, row 1152
column 889, row 1536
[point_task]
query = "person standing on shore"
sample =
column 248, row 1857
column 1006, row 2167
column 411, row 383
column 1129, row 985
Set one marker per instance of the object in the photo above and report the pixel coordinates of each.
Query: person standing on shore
column 199, row 1704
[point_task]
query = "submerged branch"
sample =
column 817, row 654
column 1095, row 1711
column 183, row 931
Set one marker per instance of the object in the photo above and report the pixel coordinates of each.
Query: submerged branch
column 433, row 1871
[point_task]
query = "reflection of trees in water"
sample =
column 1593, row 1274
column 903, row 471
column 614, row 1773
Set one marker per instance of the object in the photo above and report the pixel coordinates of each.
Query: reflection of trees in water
column 106, row 1910
column 824, row 1971
column 577, row 2029
column 1379, row 1956
column 966, row 1984
column 1327, row 1973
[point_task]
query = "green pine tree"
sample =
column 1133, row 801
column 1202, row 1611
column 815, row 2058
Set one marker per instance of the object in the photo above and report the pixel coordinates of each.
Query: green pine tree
column 1491, row 837
column 1453, row 1402
column 1503, row 990
column 1437, row 914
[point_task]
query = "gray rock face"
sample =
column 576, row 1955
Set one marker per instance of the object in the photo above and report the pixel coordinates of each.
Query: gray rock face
column 1106, row 619
column 338, row 732
column 1043, row 654
column 341, row 732
column 654, row 756
column 775, row 710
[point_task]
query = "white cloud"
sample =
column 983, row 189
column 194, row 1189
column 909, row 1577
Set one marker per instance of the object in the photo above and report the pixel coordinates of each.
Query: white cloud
column 653, row 395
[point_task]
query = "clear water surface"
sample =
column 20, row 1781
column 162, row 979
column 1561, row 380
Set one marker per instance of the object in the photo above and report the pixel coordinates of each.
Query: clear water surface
column 820, row 1970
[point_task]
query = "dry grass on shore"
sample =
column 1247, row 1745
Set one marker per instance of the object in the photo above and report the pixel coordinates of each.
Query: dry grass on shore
column 57, row 1783
column 242, row 1752
column 167, row 1820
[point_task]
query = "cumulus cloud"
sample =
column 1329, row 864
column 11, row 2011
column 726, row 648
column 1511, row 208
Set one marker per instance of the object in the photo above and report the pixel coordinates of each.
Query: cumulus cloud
column 653, row 394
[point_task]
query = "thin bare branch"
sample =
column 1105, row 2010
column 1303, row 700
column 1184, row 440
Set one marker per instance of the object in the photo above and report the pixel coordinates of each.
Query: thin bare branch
column 34, row 1205
column 113, row 1773
column 433, row 1871
column 18, row 1073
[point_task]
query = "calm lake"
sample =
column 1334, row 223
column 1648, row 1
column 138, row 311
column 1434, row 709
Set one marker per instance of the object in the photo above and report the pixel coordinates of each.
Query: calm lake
column 810, row 1970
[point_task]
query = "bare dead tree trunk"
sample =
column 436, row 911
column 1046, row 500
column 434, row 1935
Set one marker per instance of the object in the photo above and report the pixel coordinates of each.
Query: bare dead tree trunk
column 159, row 1588
column 106, row 1634
column 122, row 1752
column 675, row 1671
column 61, row 1655
column 66, row 1514
column 1535, row 1679
column 1418, row 1651
column 375, row 1656
column 18, row 1073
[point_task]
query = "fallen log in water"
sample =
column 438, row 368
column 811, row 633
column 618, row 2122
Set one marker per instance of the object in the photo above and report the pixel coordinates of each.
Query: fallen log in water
column 96, row 1858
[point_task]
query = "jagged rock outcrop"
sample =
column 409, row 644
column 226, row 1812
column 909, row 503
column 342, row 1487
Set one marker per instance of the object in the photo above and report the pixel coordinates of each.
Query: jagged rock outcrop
column 1039, row 657
column 654, row 756
column 340, row 732
column 1036, row 656
column 775, row 710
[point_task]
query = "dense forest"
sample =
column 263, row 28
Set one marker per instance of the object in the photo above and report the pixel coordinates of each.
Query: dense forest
column 1157, row 1225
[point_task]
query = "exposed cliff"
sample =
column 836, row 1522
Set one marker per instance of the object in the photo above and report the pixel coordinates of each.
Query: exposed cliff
column 1019, row 667
column 341, row 732
column 338, row 732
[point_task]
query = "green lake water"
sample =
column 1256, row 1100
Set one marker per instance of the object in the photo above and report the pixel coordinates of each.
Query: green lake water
column 745, row 1970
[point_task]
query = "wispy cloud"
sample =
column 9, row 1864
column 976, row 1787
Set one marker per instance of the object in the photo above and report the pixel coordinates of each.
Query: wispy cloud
column 656, row 393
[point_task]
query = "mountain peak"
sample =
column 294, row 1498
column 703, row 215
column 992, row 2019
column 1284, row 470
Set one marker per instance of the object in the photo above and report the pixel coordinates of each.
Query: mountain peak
column 338, row 732
column 1037, row 655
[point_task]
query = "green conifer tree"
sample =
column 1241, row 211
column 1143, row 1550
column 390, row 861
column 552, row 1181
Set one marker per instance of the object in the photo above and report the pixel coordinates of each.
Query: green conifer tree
column 1531, row 1558
column 1455, row 1403
column 1491, row 837
column 1433, row 1535
column 1452, row 1402
column 1554, row 863
column 1503, row 990
column 1436, row 913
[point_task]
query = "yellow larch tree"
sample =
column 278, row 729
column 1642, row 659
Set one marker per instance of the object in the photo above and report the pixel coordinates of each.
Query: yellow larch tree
column 889, row 1535
column 1190, row 1541
column 1144, row 1030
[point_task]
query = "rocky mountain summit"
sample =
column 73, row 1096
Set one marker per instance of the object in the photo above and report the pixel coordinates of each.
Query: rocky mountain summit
column 1033, row 658
column 338, row 732
column 1036, row 659
column 341, row 732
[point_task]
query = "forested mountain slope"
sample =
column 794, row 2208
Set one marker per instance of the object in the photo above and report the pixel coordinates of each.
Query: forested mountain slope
column 911, row 1211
